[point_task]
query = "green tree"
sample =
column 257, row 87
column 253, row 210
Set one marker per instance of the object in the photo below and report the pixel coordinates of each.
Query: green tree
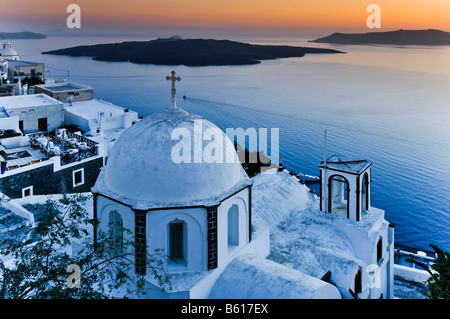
column 439, row 271
column 40, row 267
column 33, row 80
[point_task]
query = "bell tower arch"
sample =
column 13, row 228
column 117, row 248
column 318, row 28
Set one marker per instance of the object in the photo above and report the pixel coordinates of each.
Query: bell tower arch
column 345, row 187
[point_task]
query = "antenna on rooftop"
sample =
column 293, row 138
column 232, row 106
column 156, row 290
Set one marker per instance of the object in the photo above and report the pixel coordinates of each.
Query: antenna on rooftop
column 325, row 150
column 324, row 182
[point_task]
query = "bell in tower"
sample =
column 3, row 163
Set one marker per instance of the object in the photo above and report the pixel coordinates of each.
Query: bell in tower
column 345, row 187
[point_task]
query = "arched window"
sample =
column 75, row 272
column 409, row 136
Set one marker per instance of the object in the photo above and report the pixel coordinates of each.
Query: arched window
column 379, row 249
column 365, row 192
column 177, row 241
column 338, row 195
column 116, row 232
column 233, row 226
column 358, row 282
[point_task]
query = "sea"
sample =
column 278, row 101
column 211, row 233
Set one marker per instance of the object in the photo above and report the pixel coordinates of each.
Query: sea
column 389, row 105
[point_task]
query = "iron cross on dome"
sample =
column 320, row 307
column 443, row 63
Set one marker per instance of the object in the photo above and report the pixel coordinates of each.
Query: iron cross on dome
column 173, row 78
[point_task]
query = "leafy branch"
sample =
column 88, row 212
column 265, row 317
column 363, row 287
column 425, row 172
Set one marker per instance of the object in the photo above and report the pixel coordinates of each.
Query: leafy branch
column 439, row 271
column 38, row 266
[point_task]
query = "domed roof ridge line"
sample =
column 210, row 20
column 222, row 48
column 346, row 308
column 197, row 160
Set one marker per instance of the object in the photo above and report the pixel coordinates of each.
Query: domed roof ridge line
column 141, row 167
column 178, row 116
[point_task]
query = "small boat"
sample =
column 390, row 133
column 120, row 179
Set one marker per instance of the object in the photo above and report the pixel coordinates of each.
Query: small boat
column 308, row 178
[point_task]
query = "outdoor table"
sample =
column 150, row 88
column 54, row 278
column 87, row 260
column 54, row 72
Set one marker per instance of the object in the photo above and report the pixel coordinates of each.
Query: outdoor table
column 72, row 151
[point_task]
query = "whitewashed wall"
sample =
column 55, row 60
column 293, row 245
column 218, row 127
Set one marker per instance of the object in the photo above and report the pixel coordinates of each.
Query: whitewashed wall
column 195, row 239
column 241, row 200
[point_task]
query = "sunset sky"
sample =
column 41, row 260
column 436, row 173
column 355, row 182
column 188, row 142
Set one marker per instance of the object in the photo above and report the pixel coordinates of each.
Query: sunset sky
column 335, row 15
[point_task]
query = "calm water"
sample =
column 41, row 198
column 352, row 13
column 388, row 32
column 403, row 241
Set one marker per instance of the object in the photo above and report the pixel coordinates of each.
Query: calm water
column 389, row 105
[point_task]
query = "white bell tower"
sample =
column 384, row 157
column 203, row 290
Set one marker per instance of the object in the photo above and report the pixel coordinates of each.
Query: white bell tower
column 345, row 187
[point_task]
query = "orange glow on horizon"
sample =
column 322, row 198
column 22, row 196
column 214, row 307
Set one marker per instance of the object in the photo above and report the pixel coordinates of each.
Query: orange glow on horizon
column 412, row 14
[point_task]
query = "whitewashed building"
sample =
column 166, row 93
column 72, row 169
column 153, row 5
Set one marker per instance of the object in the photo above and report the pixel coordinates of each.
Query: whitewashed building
column 66, row 91
column 3, row 70
column 20, row 70
column 97, row 116
column 35, row 112
column 7, row 52
column 228, row 236
column 102, row 121
column 194, row 213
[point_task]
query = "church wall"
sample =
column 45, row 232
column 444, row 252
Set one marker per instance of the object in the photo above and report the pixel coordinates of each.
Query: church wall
column 364, row 243
column 390, row 263
column 384, row 267
column 369, row 191
column 241, row 200
column 379, row 270
column 195, row 240
column 105, row 206
column 259, row 246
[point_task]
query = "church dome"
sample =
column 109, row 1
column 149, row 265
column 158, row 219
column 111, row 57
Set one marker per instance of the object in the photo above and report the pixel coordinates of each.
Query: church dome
column 144, row 164
column 7, row 51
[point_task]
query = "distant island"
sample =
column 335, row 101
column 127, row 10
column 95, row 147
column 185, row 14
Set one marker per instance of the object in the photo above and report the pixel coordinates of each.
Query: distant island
column 399, row 37
column 21, row 35
column 188, row 52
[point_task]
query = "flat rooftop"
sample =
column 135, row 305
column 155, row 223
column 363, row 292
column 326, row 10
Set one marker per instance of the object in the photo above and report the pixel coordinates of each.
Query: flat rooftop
column 21, row 156
column 63, row 86
column 12, row 63
column 10, row 102
column 90, row 109
column 18, row 101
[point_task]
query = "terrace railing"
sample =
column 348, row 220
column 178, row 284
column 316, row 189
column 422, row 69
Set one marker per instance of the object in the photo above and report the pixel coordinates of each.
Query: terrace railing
column 73, row 148
column 80, row 139
column 67, row 158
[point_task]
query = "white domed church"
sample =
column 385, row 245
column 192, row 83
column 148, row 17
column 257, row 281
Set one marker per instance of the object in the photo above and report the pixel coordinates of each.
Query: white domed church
column 226, row 235
column 7, row 52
